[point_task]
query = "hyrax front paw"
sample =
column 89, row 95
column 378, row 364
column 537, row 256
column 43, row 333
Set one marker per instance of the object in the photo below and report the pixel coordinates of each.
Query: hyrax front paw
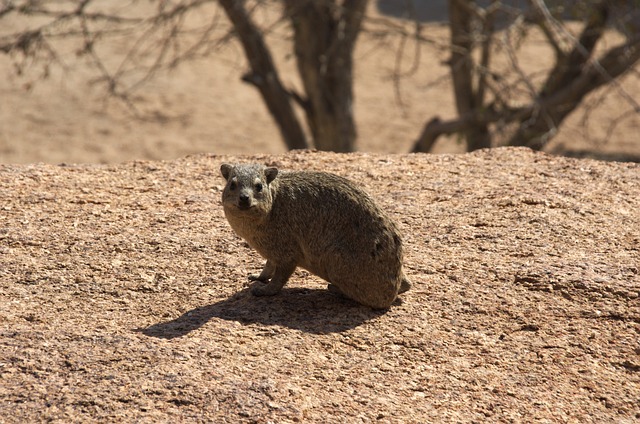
column 256, row 277
column 266, row 274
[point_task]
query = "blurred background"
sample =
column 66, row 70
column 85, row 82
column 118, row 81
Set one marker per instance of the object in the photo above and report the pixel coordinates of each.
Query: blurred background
column 106, row 82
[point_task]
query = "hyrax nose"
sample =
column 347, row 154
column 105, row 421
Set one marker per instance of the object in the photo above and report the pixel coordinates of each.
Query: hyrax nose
column 244, row 199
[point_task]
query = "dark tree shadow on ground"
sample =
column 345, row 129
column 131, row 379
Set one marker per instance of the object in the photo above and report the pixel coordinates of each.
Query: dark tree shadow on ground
column 421, row 10
column 432, row 10
column 310, row 310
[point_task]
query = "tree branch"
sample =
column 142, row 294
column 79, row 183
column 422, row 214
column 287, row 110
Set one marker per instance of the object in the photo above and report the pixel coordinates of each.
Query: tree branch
column 545, row 21
column 570, row 65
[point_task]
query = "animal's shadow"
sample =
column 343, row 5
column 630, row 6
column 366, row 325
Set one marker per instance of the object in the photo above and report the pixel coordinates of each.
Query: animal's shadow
column 309, row 310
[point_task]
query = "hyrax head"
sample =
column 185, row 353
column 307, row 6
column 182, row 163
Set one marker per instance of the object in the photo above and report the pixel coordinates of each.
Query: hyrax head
column 247, row 187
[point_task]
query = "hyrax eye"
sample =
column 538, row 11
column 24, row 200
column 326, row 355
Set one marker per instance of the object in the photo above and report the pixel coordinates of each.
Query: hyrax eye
column 233, row 185
column 258, row 187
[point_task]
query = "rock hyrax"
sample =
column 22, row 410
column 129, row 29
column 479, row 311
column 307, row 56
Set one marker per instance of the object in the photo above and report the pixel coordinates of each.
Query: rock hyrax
column 320, row 222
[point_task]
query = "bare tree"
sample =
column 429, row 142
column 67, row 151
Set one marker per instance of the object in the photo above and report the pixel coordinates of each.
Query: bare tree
column 484, row 97
column 264, row 75
column 324, row 36
column 325, row 33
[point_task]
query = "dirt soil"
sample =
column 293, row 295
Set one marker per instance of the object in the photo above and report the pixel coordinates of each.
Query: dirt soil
column 124, row 297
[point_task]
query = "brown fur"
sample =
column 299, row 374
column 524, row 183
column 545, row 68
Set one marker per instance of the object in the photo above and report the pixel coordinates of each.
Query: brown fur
column 320, row 222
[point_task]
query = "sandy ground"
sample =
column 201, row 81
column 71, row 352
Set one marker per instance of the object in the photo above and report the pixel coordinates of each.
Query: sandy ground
column 124, row 297
column 203, row 106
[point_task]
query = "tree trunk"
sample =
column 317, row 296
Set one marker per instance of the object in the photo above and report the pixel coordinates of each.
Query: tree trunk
column 264, row 75
column 467, row 101
column 324, row 38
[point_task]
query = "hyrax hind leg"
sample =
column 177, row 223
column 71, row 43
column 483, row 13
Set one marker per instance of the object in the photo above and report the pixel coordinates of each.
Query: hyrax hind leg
column 335, row 290
column 281, row 275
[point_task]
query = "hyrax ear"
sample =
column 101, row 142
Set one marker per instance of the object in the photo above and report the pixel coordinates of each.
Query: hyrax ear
column 271, row 174
column 225, row 170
